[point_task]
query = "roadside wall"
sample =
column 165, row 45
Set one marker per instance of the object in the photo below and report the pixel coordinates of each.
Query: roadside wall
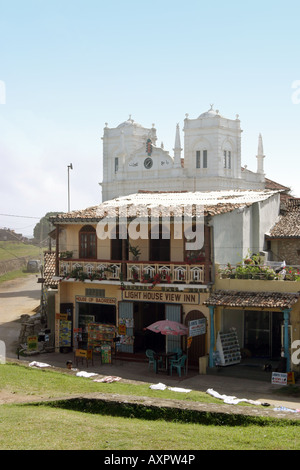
column 13, row 264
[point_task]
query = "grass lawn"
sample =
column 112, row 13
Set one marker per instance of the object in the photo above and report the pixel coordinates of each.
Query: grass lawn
column 43, row 427
column 11, row 250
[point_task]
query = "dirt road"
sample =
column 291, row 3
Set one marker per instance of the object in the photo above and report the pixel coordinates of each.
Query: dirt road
column 17, row 297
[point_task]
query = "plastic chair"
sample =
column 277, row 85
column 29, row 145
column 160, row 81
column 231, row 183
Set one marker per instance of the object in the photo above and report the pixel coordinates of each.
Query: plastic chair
column 151, row 356
column 178, row 352
column 179, row 364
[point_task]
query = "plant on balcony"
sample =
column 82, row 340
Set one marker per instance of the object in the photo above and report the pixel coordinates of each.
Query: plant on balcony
column 158, row 278
column 248, row 268
column 135, row 252
column 291, row 274
column 227, row 272
column 194, row 256
column 66, row 254
column 146, row 278
column 79, row 275
column 135, row 275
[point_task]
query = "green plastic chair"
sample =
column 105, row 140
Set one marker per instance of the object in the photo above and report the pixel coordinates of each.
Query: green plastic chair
column 152, row 361
column 178, row 352
column 179, row 364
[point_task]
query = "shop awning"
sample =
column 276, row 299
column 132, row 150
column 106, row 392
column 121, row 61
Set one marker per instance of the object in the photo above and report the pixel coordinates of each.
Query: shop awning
column 226, row 298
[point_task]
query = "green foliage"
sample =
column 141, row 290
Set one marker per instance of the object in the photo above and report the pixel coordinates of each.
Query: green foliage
column 43, row 227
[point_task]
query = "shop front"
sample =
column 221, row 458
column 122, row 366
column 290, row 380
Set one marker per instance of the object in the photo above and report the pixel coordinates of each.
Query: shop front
column 140, row 308
column 261, row 323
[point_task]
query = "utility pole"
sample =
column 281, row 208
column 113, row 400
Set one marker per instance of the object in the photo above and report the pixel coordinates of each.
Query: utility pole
column 70, row 167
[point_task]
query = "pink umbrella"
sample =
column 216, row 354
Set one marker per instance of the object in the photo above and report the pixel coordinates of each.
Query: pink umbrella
column 168, row 327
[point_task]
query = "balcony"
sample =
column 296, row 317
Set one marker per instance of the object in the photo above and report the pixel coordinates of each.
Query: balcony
column 134, row 272
column 270, row 271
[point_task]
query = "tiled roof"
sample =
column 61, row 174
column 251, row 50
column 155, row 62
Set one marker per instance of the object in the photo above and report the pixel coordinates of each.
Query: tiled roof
column 269, row 184
column 288, row 224
column 49, row 269
column 243, row 299
column 159, row 203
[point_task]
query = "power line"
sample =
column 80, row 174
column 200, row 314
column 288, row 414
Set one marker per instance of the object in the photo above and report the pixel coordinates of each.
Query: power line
column 22, row 216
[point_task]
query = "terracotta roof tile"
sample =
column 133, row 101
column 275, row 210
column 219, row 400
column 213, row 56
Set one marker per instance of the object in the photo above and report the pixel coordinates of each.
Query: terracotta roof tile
column 225, row 298
column 288, row 224
column 159, row 203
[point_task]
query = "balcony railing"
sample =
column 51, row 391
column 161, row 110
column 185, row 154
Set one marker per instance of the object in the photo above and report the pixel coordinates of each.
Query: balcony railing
column 268, row 272
column 143, row 272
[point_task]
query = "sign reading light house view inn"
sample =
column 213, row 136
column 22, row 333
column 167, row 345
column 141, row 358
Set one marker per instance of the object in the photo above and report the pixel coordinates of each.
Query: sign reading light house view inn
column 165, row 297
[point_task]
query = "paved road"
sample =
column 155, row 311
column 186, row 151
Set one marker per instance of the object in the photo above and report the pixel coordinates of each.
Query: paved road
column 17, row 297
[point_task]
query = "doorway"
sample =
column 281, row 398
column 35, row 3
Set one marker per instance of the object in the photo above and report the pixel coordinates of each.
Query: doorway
column 198, row 344
column 144, row 314
column 262, row 333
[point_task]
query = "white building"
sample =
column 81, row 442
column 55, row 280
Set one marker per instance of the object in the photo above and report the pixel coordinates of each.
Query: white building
column 211, row 160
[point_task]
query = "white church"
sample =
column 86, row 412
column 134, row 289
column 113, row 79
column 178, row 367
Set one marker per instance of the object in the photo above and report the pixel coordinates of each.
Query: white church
column 210, row 159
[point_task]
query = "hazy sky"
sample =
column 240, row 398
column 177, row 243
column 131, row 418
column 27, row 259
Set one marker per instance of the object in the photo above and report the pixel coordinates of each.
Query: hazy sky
column 69, row 66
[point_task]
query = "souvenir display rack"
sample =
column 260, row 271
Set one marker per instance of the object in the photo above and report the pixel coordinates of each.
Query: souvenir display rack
column 101, row 340
column 228, row 348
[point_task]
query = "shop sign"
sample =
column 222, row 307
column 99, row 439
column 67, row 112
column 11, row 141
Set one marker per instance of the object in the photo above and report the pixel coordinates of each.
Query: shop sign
column 197, row 327
column 61, row 316
column 279, row 378
column 161, row 296
column 96, row 300
column 32, row 343
column 122, row 329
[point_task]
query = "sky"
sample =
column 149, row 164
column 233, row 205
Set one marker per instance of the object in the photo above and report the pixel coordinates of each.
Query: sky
column 68, row 67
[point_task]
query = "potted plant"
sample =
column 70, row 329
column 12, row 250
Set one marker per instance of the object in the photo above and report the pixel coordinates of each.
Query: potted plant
column 135, row 252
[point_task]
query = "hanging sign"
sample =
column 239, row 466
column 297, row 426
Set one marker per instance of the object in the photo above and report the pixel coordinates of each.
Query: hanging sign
column 122, row 329
column 197, row 327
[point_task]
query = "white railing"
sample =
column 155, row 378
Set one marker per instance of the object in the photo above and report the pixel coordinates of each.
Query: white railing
column 165, row 273
column 144, row 272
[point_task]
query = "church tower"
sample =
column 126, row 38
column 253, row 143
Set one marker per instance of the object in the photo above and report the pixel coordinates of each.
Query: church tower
column 260, row 156
column 212, row 151
column 132, row 161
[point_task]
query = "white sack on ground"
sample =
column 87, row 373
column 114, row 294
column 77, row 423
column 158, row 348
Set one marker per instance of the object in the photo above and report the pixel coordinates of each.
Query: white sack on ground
column 38, row 364
column 231, row 400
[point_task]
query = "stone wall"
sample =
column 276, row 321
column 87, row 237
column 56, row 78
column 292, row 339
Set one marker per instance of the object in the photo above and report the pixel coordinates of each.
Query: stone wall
column 287, row 250
column 13, row 264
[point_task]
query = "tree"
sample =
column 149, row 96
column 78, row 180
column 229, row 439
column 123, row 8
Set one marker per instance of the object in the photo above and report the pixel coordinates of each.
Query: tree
column 43, row 228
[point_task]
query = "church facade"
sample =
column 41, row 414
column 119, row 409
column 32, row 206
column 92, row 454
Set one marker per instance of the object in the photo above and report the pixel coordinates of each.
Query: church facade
column 210, row 159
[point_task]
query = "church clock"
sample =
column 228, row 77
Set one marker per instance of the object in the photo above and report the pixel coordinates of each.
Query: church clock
column 148, row 163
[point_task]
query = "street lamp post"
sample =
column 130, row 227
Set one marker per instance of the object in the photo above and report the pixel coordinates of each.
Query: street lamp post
column 70, row 167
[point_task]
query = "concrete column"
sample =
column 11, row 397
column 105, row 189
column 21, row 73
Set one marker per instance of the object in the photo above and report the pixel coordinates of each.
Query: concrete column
column 212, row 335
column 286, row 317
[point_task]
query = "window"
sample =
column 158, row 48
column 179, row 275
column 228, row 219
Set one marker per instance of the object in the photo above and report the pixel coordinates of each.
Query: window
column 160, row 243
column 201, row 162
column 204, row 158
column 87, row 242
column 227, row 159
column 116, row 164
column 198, row 159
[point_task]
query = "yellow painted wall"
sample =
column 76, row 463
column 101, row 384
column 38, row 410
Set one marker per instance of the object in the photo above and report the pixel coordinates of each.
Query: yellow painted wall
column 69, row 240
